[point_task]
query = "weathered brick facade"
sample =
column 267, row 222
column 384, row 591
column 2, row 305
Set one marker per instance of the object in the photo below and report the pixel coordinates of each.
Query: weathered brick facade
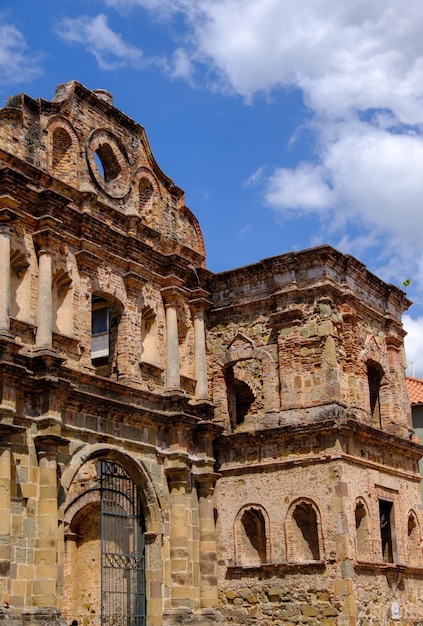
column 232, row 448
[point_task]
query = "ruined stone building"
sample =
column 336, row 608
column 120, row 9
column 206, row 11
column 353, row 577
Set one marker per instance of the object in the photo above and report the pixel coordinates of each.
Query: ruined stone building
column 177, row 445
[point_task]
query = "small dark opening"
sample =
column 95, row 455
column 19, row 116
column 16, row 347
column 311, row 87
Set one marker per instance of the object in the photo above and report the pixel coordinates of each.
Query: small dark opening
column 385, row 513
column 374, row 377
column 107, row 163
column 240, row 398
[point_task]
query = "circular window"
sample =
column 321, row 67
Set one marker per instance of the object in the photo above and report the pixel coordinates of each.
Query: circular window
column 108, row 163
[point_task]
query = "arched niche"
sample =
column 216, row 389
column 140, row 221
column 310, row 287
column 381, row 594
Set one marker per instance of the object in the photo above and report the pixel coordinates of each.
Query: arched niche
column 304, row 532
column 252, row 536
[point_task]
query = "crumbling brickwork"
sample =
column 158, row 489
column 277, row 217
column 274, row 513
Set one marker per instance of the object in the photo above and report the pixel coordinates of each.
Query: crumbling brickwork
column 177, row 445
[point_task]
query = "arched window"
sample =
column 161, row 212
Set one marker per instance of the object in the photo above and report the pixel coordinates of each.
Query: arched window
column 374, row 377
column 145, row 196
column 413, row 539
column 363, row 538
column 304, row 533
column 62, row 150
column 251, row 538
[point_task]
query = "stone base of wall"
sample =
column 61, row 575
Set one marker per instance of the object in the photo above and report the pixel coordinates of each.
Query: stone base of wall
column 40, row 616
column 208, row 617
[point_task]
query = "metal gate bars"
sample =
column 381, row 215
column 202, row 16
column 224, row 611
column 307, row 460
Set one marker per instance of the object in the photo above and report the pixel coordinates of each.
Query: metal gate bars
column 122, row 549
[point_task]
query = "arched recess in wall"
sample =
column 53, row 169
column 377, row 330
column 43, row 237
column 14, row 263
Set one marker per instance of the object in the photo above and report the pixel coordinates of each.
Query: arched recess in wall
column 112, row 523
column 62, row 303
column 377, row 381
column 149, row 337
column 363, row 531
column 63, row 149
column 304, row 532
column 20, row 287
column 245, row 383
column 106, row 314
column 252, row 536
column 148, row 197
column 414, row 541
column 196, row 239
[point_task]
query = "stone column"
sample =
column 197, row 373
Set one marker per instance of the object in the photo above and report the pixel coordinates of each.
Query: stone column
column 208, row 550
column 46, row 544
column 181, row 600
column 45, row 297
column 200, row 363
column 173, row 374
column 7, row 215
column 4, row 276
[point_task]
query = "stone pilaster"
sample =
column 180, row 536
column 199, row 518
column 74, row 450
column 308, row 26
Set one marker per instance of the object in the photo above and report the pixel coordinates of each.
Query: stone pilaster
column 46, row 545
column 345, row 582
column 208, row 550
column 6, row 433
column 179, row 483
column 5, row 547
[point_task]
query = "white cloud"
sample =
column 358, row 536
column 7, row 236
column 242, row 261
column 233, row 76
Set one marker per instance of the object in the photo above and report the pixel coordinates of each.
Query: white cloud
column 181, row 66
column 107, row 46
column 16, row 63
column 367, row 173
column 413, row 345
column 304, row 189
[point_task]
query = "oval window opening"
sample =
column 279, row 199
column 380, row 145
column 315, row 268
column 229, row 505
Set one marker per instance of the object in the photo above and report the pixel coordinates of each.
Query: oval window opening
column 107, row 163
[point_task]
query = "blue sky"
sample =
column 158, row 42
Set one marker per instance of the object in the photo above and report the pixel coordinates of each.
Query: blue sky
column 288, row 124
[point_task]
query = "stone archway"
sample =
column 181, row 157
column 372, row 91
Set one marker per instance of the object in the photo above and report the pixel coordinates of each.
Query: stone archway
column 246, row 381
column 108, row 510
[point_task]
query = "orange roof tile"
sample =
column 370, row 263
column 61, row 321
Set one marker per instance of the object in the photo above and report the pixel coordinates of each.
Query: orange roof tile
column 415, row 390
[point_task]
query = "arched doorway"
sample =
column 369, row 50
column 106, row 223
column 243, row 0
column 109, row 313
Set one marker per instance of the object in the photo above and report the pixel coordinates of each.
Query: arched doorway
column 104, row 563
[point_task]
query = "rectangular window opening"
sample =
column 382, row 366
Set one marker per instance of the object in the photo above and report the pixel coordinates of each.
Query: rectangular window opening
column 387, row 530
column 99, row 329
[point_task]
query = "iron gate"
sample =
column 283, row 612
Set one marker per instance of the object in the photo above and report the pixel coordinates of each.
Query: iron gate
column 122, row 549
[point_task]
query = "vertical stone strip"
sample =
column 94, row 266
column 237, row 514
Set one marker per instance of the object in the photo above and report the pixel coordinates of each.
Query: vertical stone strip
column 208, row 549
column 5, row 547
column 178, row 478
column 344, row 584
column 198, row 308
column 173, row 374
column 46, row 545
column 45, row 297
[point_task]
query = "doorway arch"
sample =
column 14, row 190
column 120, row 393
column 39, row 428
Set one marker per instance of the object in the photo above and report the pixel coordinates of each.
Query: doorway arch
column 109, row 515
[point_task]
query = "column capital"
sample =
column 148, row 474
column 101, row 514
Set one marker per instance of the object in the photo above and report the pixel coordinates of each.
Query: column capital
column 7, row 431
column 178, row 476
column 206, row 483
column 49, row 444
column 171, row 294
column 7, row 206
column 199, row 303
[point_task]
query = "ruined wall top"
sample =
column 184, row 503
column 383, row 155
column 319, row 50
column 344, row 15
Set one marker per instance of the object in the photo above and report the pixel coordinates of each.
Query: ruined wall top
column 89, row 147
column 317, row 270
